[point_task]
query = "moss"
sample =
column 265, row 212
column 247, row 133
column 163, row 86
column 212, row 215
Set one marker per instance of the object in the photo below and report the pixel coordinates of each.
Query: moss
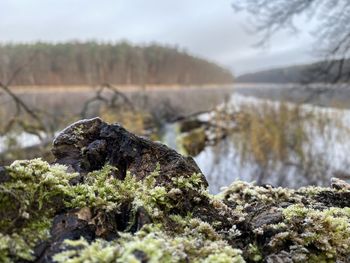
column 319, row 232
column 39, row 190
column 194, row 141
column 20, row 244
column 192, row 182
column 81, row 251
column 78, row 132
column 152, row 244
column 28, row 201
column 101, row 190
column 254, row 253
column 327, row 230
column 14, row 247
column 244, row 193
column 186, row 224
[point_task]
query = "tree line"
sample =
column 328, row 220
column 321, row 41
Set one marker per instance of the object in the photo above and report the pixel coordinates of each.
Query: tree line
column 76, row 63
column 332, row 71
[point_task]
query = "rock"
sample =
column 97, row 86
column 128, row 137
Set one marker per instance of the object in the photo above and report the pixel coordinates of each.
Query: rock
column 339, row 184
column 282, row 257
column 190, row 124
column 88, row 145
column 120, row 197
column 194, row 141
column 4, row 177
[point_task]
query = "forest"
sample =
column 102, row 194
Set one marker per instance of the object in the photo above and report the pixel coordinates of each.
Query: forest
column 91, row 63
column 333, row 71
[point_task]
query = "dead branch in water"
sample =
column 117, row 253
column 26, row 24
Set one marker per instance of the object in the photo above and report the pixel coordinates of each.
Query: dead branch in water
column 21, row 107
column 110, row 101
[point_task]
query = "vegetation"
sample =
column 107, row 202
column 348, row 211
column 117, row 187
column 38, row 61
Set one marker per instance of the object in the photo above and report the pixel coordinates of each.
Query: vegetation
column 94, row 63
column 284, row 138
column 277, row 142
column 305, row 74
column 302, row 226
column 194, row 142
column 292, row 74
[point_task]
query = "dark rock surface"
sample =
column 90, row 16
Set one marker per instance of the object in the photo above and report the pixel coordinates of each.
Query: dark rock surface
column 88, row 145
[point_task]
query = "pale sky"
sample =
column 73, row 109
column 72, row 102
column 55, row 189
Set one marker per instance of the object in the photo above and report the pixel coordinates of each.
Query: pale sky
column 209, row 29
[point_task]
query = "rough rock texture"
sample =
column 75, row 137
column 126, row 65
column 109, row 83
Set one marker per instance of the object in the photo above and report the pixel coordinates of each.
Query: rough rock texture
column 88, row 145
column 116, row 197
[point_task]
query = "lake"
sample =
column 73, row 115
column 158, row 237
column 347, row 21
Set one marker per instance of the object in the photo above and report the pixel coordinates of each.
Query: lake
column 223, row 162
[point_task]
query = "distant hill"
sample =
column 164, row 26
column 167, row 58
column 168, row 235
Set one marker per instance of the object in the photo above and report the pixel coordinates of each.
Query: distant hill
column 94, row 63
column 307, row 73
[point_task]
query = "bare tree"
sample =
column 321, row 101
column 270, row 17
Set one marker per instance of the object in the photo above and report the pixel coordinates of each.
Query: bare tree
column 114, row 99
column 332, row 33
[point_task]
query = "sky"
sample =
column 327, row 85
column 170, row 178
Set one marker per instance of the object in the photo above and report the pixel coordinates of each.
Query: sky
column 209, row 29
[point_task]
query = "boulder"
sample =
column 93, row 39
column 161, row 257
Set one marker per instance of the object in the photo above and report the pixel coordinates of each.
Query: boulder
column 88, row 145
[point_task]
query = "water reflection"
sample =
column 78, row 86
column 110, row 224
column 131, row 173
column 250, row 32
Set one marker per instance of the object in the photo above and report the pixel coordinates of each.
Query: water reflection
column 324, row 154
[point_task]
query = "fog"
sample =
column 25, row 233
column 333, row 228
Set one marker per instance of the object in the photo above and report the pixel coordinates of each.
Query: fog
column 209, row 29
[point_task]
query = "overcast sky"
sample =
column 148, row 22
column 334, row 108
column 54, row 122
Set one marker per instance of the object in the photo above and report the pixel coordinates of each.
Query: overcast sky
column 210, row 29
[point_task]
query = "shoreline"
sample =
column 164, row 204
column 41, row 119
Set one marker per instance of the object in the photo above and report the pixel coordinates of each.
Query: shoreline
column 124, row 88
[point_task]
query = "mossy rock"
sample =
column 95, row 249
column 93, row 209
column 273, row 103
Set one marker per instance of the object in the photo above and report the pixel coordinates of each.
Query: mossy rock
column 84, row 209
column 188, row 125
column 194, row 141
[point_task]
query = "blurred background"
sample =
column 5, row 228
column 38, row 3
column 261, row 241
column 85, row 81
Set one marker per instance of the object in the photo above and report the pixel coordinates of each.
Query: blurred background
column 256, row 90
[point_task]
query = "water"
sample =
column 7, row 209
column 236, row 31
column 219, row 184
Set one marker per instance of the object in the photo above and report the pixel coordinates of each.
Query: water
column 222, row 164
column 21, row 140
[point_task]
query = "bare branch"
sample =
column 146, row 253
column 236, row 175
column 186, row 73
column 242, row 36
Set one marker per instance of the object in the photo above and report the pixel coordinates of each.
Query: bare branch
column 333, row 31
column 111, row 101
column 21, row 106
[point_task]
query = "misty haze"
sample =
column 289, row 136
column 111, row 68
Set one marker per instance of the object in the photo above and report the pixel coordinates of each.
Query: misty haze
column 186, row 131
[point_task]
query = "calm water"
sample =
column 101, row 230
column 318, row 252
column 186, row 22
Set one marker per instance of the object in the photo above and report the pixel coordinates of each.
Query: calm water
column 223, row 164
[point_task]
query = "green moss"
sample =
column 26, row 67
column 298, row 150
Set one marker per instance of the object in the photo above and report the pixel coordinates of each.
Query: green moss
column 82, row 252
column 154, row 245
column 254, row 253
column 321, row 234
column 244, row 193
column 20, row 244
column 192, row 182
column 28, row 201
column 36, row 191
column 101, row 190
column 78, row 132
column 14, row 247
column 327, row 230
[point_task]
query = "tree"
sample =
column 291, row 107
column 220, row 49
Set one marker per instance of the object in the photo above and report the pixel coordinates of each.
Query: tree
column 333, row 31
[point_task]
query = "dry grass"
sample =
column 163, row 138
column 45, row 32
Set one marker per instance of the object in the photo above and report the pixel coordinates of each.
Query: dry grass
column 280, row 137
